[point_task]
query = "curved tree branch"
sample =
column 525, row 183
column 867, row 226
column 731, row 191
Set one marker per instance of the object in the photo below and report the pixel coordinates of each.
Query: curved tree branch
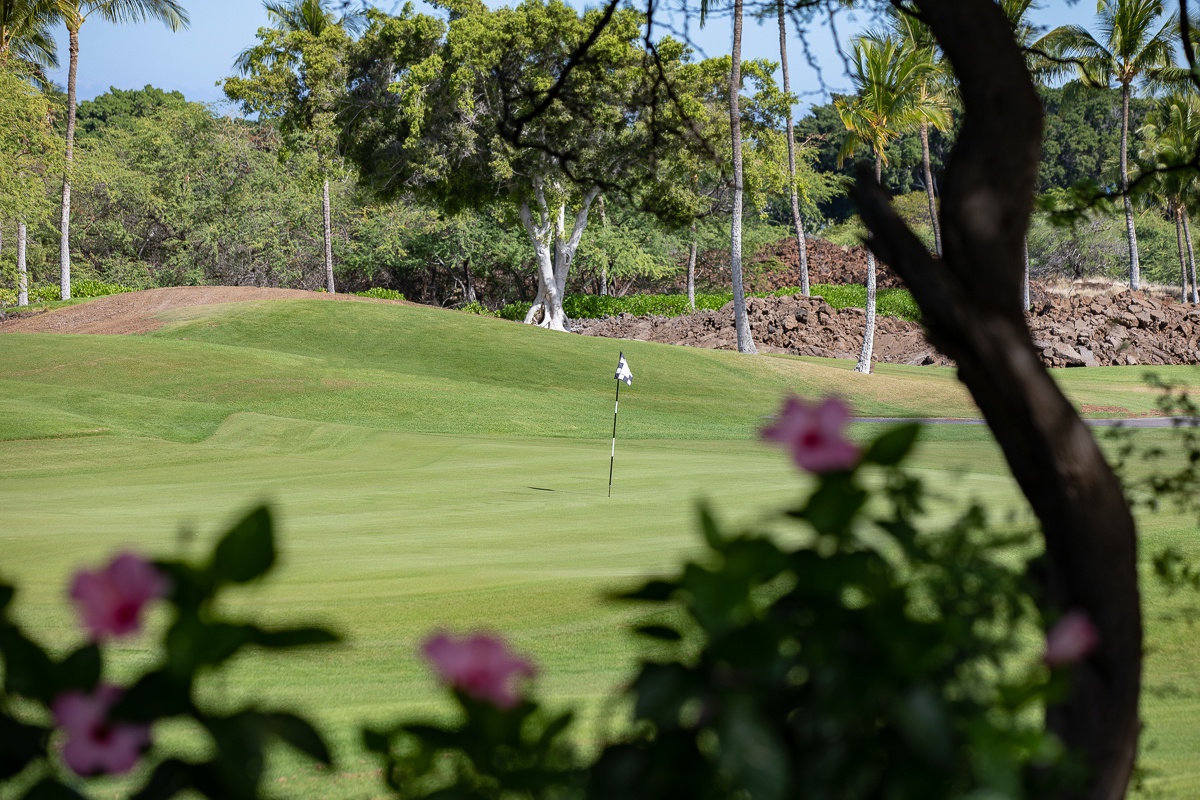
column 971, row 302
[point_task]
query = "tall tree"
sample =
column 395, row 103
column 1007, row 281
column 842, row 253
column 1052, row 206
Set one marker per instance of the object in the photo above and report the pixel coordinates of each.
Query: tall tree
column 797, row 222
column 1135, row 44
column 1169, row 140
column 1036, row 47
column 26, row 35
column 435, row 110
column 28, row 151
column 889, row 78
column 745, row 337
column 932, row 104
column 74, row 13
column 297, row 75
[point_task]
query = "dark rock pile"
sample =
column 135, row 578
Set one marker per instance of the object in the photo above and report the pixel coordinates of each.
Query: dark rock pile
column 1126, row 328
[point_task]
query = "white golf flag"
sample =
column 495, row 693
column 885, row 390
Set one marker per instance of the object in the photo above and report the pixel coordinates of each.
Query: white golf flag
column 623, row 373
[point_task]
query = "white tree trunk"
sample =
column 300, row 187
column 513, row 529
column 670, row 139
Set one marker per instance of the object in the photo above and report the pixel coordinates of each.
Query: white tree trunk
column 1177, row 212
column 1025, row 283
column 864, row 356
column 22, row 273
column 64, row 242
column 1187, row 232
column 797, row 222
column 691, row 274
column 554, row 251
column 328, row 239
column 604, row 265
column 1135, row 272
column 741, row 322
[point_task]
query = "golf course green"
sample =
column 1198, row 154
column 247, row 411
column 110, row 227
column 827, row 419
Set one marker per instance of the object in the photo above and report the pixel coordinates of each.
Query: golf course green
column 431, row 469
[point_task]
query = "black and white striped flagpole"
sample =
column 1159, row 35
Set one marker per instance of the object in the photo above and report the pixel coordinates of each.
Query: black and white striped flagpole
column 613, row 456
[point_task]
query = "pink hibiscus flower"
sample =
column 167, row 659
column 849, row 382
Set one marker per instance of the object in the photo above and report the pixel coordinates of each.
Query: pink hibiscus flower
column 111, row 600
column 95, row 744
column 814, row 434
column 480, row 665
column 1071, row 639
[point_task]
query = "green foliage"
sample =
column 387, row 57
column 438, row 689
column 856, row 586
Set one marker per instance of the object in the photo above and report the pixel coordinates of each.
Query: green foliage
column 82, row 289
column 381, row 293
column 1082, row 140
column 29, row 150
column 120, row 107
column 201, row 637
column 891, row 303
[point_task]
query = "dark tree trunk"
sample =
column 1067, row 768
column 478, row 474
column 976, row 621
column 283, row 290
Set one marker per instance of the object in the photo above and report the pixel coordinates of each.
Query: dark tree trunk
column 933, row 217
column 797, row 222
column 64, row 242
column 971, row 306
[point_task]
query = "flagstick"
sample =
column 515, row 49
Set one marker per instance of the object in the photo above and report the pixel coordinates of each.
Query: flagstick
column 613, row 456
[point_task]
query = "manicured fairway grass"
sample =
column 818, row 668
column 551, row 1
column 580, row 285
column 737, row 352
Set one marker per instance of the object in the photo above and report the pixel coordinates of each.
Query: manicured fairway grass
column 434, row 469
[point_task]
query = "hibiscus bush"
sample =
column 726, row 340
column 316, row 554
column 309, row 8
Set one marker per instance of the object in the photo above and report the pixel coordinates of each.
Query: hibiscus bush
column 62, row 721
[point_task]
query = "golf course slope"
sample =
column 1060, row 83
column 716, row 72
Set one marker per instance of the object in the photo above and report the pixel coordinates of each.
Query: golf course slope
column 436, row 470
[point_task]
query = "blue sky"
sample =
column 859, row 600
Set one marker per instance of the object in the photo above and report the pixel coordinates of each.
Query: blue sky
column 193, row 60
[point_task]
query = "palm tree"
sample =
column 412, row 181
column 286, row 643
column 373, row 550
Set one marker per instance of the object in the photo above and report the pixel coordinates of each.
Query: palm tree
column 1169, row 143
column 932, row 104
column 26, row 36
column 1133, row 46
column 1037, row 46
column 312, row 18
column 889, row 77
column 797, row 222
column 74, row 13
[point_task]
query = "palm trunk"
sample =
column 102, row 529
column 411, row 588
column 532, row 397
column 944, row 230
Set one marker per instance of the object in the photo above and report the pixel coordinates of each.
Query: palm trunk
column 328, row 239
column 1177, row 212
column 1135, row 278
column 1187, row 233
column 1025, row 284
column 691, row 274
column 933, row 218
column 801, row 243
column 64, row 243
column 864, row 356
column 22, row 273
column 745, row 339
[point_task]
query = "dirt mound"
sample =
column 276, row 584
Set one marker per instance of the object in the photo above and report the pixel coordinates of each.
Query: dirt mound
column 1128, row 328
column 827, row 263
column 136, row 312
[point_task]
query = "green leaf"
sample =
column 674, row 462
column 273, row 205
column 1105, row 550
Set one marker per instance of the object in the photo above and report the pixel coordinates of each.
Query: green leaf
column 299, row 734
column 169, row 779
column 653, row 591
column 247, row 551
column 20, row 744
column 891, row 447
column 712, row 534
column 192, row 644
column 377, row 741
column 28, row 671
column 294, row 637
column 833, row 506
column 80, row 670
column 50, row 789
column 6, row 596
column 156, row 695
column 659, row 632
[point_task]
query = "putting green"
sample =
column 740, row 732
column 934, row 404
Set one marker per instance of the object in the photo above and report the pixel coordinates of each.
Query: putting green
column 433, row 469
